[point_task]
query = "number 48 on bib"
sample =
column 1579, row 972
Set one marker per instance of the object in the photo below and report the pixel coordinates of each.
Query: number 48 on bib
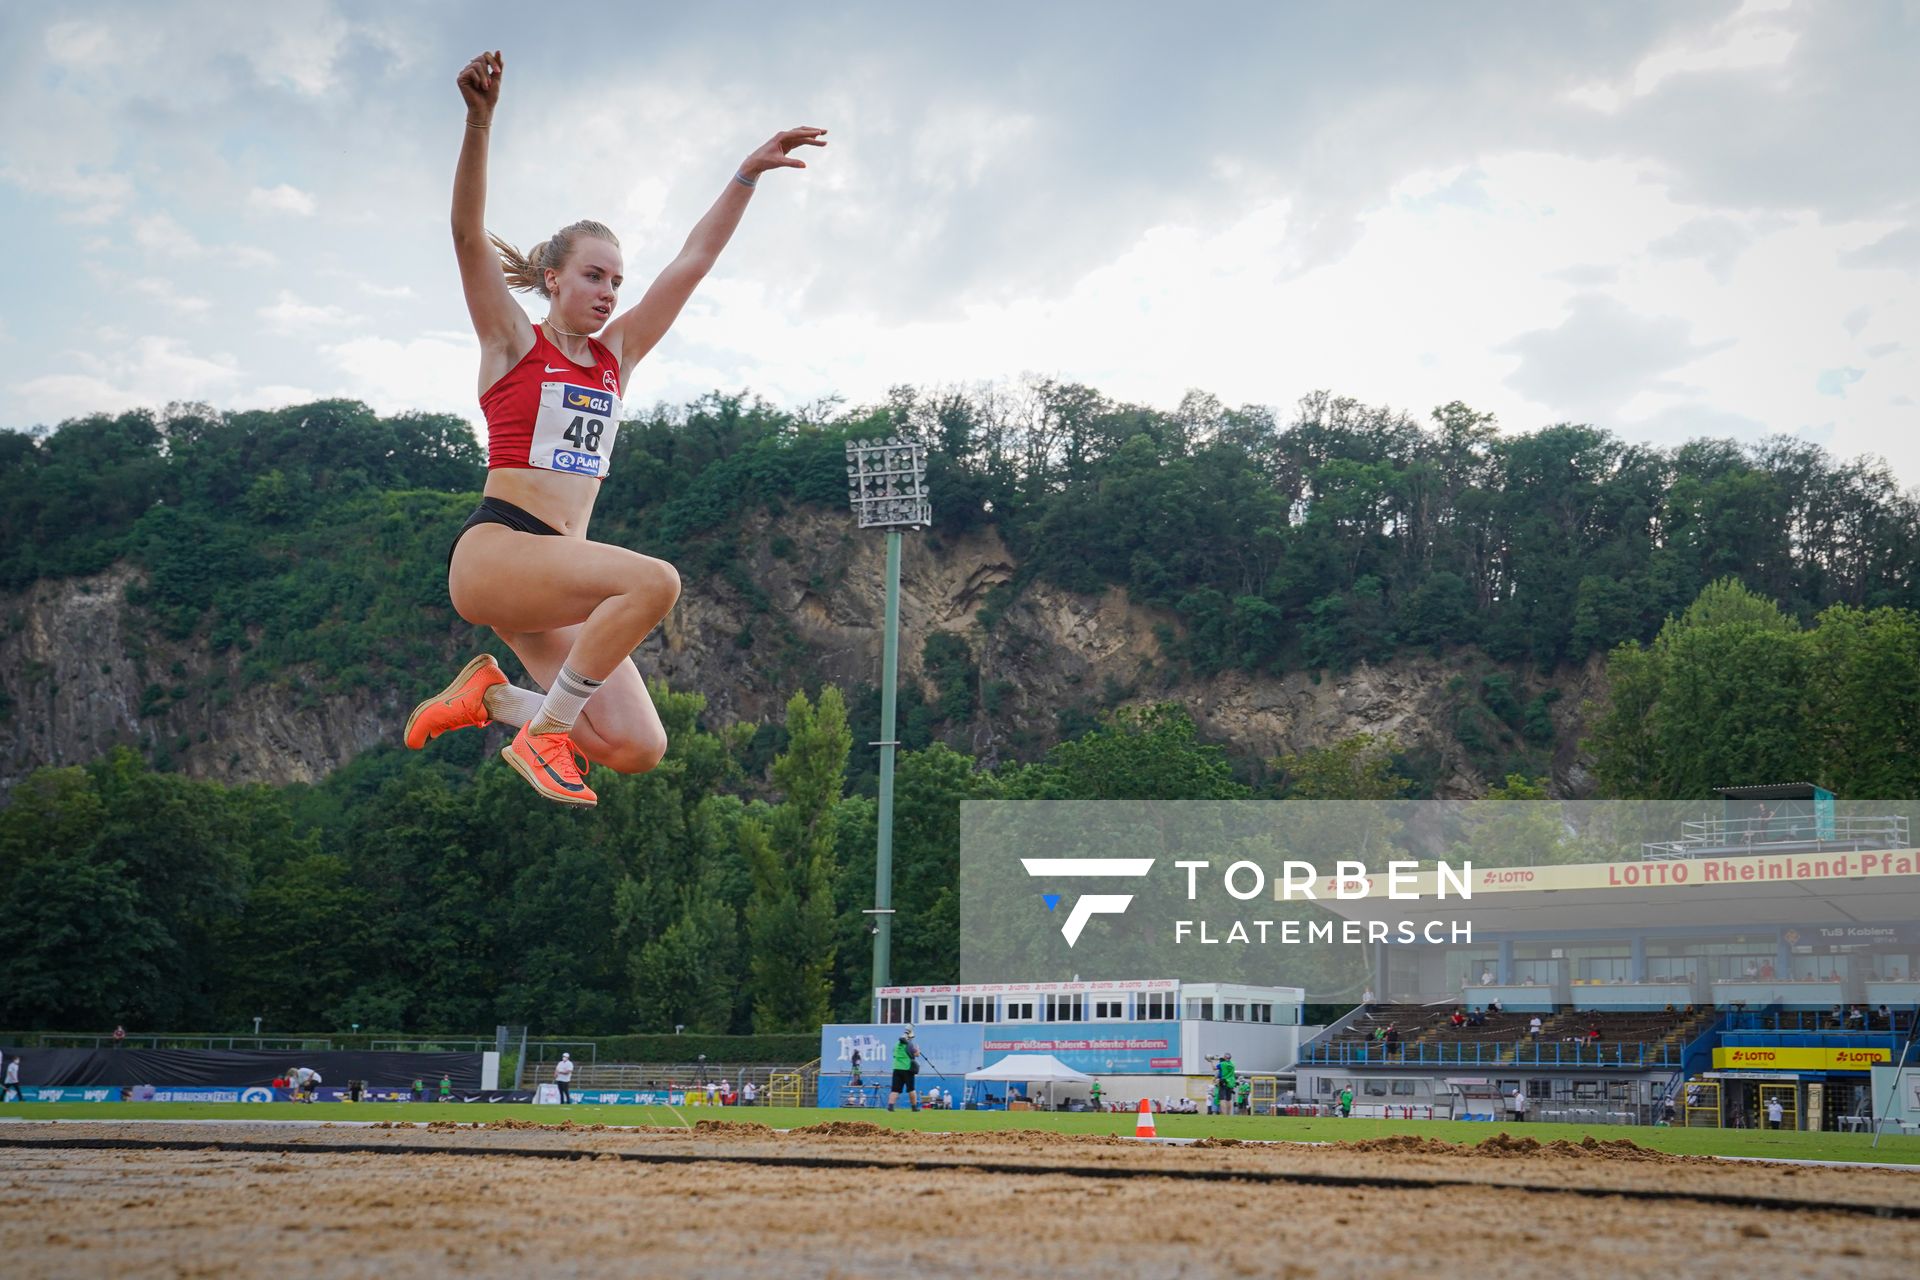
column 574, row 429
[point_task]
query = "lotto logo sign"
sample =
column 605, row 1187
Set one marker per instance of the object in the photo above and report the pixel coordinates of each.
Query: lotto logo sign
column 583, row 464
column 586, row 400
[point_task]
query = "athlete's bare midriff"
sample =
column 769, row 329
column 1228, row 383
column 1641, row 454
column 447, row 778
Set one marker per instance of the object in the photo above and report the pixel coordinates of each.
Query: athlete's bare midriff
column 563, row 501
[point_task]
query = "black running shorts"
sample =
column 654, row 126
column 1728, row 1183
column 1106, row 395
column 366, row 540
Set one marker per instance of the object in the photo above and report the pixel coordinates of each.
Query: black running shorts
column 495, row 511
column 902, row 1081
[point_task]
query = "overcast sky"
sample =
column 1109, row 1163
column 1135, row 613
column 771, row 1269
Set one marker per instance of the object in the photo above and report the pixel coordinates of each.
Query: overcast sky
column 1670, row 219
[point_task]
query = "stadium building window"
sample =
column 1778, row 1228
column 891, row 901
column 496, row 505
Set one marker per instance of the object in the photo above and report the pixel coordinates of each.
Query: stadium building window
column 1066, row 1008
column 936, row 1011
column 895, row 1008
column 976, row 1009
column 1233, row 1012
column 1157, row 1007
column 1109, row 1009
column 1200, row 1009
column 1262, row 1013
column 1019, row 1011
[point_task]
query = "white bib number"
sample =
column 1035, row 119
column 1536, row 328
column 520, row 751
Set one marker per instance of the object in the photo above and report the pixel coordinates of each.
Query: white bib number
column 574, row 430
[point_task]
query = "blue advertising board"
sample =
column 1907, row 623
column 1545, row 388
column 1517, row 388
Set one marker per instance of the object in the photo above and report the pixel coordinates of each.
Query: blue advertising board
column 630, row 1097
column 949, row 1050
column 1097, row 1048
column 213, row 1093
column 69, row 1093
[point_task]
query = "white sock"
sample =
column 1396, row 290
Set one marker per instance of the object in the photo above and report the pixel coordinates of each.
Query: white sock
column 563, row 702
column 512, row 705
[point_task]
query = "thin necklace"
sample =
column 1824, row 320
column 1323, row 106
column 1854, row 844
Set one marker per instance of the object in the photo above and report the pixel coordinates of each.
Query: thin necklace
column 557, row 329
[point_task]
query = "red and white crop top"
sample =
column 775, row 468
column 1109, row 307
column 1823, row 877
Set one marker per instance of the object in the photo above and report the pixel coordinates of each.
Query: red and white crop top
column 552, row 414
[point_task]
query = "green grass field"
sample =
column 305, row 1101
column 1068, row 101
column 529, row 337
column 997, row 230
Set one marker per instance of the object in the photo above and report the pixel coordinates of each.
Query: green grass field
column 1893, row 1149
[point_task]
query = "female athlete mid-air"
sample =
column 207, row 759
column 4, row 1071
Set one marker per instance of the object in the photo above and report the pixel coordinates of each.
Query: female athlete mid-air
column 571, row 609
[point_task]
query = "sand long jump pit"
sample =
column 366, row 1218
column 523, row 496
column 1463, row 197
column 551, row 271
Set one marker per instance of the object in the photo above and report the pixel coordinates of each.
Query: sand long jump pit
column 852, row 1199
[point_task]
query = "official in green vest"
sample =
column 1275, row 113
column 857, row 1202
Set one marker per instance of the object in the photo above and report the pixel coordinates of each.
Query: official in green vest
column 905, row 1064
column 1346, row 1101
column 1225, row 1081
column 1094, row 1094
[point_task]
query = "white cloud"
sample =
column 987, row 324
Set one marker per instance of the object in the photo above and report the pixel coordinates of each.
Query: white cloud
column 83, row 45
column 278, row 396
column 170, row 295
column 162, row 234
column 100, row 196
column 436, row 373
column 281, row 199
column 290, row 314
column 118, row 376
column 386, row 291
column 1748, row 40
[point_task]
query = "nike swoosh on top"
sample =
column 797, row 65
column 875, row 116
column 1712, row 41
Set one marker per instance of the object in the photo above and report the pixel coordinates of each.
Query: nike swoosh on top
column 558, row 780
column 551, row 369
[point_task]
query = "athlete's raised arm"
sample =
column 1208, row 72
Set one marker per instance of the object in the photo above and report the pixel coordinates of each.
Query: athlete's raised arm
column 647, row 321
column 502, row 326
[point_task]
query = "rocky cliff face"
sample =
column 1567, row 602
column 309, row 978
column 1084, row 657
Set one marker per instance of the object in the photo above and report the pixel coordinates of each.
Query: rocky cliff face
column 86, row 671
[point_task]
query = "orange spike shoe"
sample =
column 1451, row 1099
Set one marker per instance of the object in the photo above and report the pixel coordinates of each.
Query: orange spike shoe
column 547, row 761
column 460, row 705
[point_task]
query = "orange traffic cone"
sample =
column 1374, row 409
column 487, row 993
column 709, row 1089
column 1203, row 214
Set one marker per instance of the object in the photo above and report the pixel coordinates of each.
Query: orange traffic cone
column 1143, row 1127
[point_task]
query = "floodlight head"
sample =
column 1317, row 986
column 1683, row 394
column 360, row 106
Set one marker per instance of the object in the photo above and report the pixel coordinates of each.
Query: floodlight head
column 887, row 483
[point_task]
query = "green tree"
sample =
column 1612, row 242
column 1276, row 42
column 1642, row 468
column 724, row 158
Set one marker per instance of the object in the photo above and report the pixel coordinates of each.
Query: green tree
column 790, row 917
column 1137, row 753
column 1359, row 767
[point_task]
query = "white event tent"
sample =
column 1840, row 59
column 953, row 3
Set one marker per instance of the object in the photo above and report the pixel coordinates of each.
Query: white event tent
column 1031, row 1069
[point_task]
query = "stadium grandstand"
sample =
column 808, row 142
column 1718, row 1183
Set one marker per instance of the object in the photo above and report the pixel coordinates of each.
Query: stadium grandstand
column 1769, row 955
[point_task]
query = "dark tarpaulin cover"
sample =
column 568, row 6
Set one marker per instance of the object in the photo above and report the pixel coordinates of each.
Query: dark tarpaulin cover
column 240, row 1066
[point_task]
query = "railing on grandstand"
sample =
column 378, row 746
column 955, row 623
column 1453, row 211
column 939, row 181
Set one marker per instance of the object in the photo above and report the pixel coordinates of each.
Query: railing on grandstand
column 1869, row 1020
column 1628, row 1055
column 1720, row 837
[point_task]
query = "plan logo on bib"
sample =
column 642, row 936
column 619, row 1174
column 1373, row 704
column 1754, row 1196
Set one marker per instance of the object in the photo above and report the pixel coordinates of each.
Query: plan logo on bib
column 581, row 464
column 1087, row 905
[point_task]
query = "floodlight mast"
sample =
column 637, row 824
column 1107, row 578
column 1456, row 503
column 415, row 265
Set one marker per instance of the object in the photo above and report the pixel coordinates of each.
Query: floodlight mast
column 887, row 488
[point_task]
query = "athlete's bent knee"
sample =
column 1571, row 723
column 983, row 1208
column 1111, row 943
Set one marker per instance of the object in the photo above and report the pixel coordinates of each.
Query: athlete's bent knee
column 641, row 754
column 656, row 582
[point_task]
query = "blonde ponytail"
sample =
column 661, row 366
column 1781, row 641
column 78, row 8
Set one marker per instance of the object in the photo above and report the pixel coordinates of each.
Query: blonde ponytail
column 527, row 272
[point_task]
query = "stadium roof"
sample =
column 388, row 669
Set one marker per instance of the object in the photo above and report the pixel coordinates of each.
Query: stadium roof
column 1770, row 791
column 1808, row 889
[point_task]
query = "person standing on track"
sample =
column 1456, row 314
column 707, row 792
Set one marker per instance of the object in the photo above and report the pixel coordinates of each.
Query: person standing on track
column 563, row 1077
column 905, row 1059
column 1225, row 1081
column 572, row 610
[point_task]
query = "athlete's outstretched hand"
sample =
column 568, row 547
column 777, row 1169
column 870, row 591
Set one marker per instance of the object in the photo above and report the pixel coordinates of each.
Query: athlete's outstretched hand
column 773, row 153
column 480, row 84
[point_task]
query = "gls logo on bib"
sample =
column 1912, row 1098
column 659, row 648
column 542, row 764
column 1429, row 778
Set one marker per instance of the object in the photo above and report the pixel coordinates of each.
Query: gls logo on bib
column 588, row 401
column 574, row 429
